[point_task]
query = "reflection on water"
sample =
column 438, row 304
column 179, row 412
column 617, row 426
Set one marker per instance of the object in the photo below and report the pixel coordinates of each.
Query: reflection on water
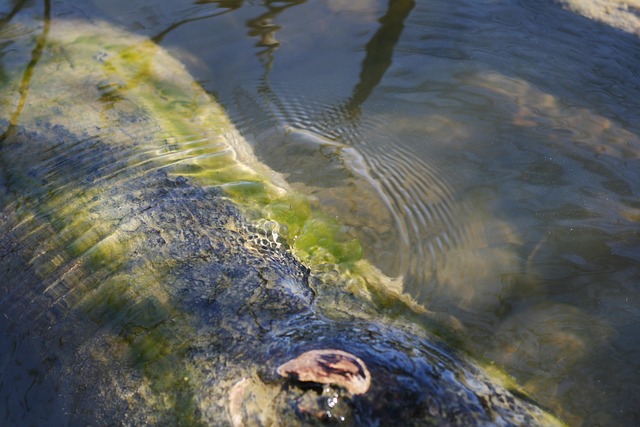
column 487, row 153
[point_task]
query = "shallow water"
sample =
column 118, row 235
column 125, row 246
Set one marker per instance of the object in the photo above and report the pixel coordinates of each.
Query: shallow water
column 487, row 152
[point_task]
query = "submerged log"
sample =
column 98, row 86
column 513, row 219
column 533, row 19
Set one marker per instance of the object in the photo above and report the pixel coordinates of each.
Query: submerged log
column 153, row 271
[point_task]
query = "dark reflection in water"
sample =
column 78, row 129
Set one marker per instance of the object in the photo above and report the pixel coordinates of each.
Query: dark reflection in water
column 158, row 37
column 35, row 57
column 264, row 28
column 487, row 152
column 380, row 52
column 17, row 7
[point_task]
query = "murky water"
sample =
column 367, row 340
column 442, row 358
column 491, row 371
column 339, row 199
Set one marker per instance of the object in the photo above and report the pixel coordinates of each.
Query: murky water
column 484, row 151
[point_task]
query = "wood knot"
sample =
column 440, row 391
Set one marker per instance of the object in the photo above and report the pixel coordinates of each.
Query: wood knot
column 329, row 366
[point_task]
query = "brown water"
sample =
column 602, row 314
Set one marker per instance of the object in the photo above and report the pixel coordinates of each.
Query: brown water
column 487, row 152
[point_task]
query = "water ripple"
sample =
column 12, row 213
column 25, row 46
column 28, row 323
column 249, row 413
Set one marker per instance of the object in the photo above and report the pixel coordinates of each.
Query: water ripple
column 438, row 230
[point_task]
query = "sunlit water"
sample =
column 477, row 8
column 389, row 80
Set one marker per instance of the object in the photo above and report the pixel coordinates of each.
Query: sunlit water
column 486, row 152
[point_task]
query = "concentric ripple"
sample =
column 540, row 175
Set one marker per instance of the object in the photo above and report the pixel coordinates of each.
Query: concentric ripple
column 439, row 242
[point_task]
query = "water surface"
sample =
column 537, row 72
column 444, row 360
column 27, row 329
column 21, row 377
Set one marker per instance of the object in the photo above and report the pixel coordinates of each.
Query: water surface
column 486, row 152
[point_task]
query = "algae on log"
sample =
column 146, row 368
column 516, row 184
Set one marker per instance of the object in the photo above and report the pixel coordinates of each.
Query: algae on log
column 153, row 271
